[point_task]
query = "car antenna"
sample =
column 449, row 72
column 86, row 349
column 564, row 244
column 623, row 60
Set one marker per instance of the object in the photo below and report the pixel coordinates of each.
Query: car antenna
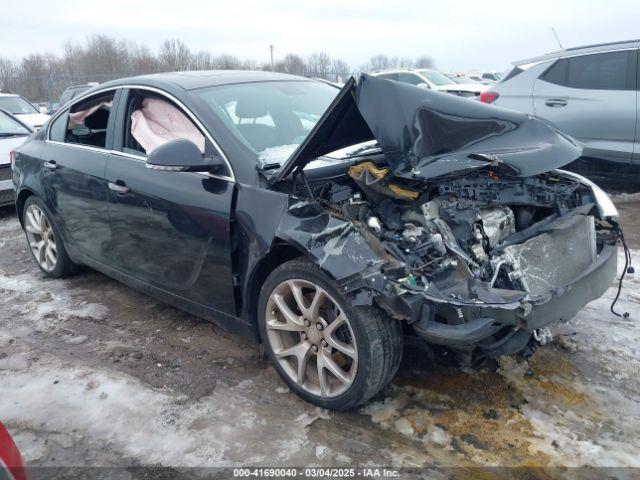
column 557, row 38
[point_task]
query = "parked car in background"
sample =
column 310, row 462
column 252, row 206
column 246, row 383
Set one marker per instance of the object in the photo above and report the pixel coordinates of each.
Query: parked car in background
column 13, row 133
column 73, row 91
column 329, row 224
column 11, row 464
column 432, row 79
column 460, row 78
column 45, row 107
column 24, row 110
column 589, row 92
column 487, row 78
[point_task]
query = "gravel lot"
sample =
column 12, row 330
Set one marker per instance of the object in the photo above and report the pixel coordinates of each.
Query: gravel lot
column 94, row 373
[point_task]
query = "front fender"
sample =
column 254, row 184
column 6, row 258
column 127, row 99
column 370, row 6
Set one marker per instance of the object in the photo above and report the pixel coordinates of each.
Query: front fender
column 336, row 245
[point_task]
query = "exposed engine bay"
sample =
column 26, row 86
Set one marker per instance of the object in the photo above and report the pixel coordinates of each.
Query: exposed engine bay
column 456, row 223
column 478, row 240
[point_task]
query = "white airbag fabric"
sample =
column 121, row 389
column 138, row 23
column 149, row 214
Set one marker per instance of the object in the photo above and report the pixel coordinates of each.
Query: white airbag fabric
column 159, row 122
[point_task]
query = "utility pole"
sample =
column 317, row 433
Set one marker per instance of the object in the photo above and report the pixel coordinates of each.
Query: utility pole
column 271, row 50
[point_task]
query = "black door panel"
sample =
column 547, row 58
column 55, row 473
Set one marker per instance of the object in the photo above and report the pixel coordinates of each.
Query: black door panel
column 75, row 185
column 172, row 230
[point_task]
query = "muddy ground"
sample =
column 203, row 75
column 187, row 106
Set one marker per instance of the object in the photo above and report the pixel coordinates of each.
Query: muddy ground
column 94, row 373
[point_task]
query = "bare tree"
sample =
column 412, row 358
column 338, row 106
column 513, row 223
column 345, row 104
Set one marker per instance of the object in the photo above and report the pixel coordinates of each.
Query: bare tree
column 142, row 60
column 104, row 56
column 174, row 55
column 379, row 62
column 227, row 62
column 340, row 70
column 400, row 62
column 8, row 75
column 424, row 62
column 318, row 65
column 202, row 60
column 33, row 77
column 293, row 64
column 43, row 76
column 250, row 64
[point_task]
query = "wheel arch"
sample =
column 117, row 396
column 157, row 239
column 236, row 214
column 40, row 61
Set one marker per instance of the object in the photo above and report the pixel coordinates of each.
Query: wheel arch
column 279, row 253
column 21, row 199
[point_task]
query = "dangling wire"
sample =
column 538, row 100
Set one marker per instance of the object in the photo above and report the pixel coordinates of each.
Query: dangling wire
column 627, row 269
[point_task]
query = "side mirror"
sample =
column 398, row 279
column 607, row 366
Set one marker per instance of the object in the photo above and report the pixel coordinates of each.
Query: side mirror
column 423, row 85
column 182, row 155
column 44, row 110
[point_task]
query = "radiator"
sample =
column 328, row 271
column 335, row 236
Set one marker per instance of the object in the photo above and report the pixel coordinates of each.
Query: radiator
column 553, row 260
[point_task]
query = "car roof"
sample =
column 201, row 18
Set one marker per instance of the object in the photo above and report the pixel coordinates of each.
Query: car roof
column 75, row 87
column 206, row 78
column 582, row 50
column 397, row 70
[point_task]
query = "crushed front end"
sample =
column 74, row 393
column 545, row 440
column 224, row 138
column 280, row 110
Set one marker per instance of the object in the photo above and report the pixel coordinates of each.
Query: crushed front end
column 459, row 223
column 479, row 263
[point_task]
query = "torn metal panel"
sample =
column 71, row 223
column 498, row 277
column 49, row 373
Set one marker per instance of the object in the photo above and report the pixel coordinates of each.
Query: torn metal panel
column 335, row 244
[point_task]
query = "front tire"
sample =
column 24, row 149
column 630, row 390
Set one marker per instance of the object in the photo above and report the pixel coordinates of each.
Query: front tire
column 329, row 352
column 44, row 240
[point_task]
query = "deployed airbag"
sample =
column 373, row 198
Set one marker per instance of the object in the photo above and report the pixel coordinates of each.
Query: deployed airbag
column 159, row 122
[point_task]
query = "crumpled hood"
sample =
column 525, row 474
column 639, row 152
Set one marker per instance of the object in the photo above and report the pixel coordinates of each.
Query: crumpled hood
column 426, row 134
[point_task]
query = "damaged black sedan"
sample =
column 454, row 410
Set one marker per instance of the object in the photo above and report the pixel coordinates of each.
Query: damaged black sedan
column 330, row 225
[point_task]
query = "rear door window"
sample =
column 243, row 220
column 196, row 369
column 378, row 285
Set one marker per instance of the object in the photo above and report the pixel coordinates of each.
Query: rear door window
column 601, row 71
column 84, row 123
column 88, row 120
column 58, row 128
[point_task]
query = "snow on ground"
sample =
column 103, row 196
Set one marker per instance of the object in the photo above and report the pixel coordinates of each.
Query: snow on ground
column 576, row 402
column 93, row 373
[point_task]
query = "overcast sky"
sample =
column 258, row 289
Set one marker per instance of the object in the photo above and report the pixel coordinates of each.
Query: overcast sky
column 458, row 34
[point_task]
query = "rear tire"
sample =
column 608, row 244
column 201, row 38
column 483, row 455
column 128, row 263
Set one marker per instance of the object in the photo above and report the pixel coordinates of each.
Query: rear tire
column 348, row 353
column 45, row 241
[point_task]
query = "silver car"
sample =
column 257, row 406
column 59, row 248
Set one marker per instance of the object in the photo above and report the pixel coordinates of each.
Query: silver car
column 590, row 92
column 13, row 133
column 431, row 79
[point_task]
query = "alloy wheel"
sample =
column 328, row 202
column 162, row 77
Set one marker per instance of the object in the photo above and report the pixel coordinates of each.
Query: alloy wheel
column 311, row 338
column 41, row 238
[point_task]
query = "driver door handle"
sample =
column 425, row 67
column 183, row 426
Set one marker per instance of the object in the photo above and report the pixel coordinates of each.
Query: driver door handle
column 119, row 187
column 555, row 102
column 51, row 165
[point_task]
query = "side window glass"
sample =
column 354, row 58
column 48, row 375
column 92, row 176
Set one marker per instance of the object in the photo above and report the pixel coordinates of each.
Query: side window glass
column 410, row 78
column 88, row 121
column 557, row 73
column 604, row 71
column 58, row 128
column 153, row 120
column 600, row 71
column 66, row 96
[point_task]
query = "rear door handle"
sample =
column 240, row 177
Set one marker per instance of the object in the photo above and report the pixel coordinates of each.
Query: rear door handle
column 51, row 165
column 556, row 102
column 119, row 187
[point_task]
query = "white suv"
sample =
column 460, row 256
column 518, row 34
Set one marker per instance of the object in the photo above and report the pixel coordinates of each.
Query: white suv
column 589, row 92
